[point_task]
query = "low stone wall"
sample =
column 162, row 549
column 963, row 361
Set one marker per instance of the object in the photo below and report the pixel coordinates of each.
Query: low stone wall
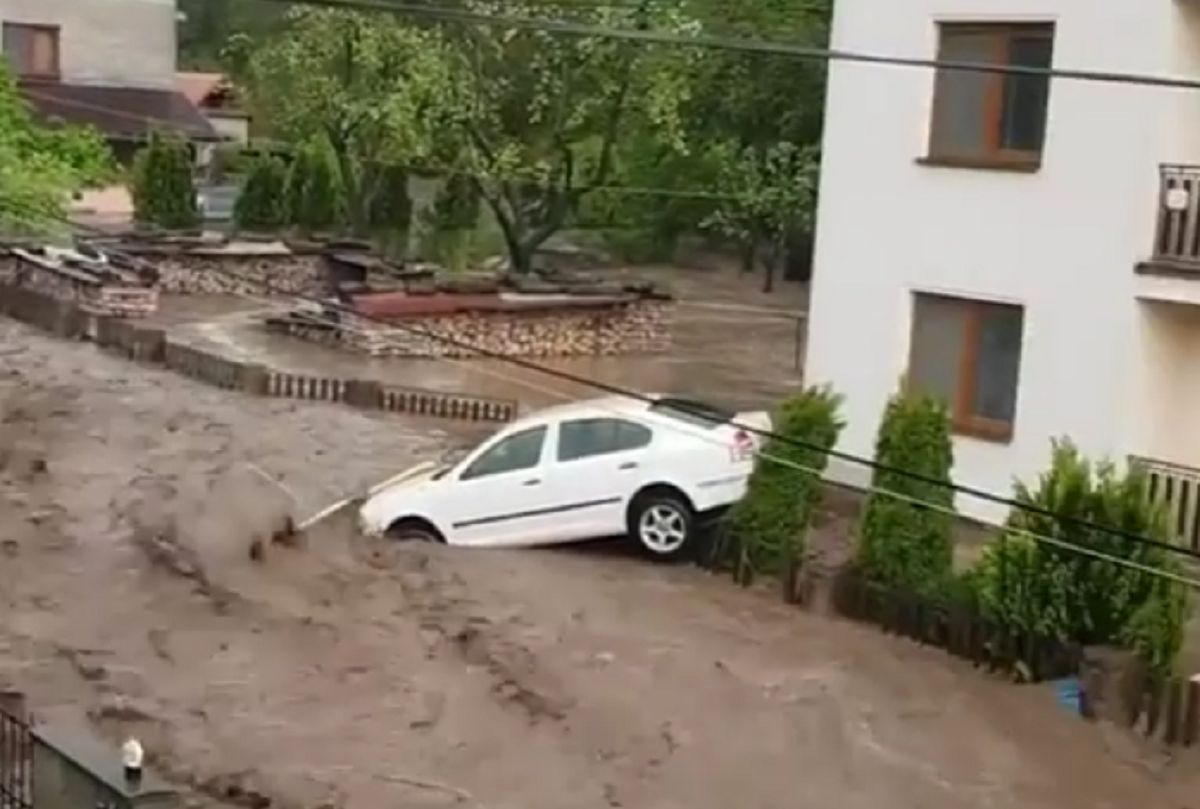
column 91, row 294
column 628, row 328
column 140, row 342
column 51, row 314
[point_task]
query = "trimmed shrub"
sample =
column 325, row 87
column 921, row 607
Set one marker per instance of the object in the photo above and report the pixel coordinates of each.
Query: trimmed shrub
column 903, row 544
column 1038, row 585
column 261, row 203
column 163, row 191
column 765, row 533
column 390, row 215
column 315, row 199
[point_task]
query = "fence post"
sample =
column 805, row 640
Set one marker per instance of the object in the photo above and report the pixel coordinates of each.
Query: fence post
column 1191, row 717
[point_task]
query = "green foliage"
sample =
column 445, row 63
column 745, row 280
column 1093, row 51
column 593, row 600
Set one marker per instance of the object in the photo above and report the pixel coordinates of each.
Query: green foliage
column 40, row 167
column 767, row 193
column 207, row 26
column 262, row 204
column 313, row 198
column 902, row 544
column 734, row 101
column 540, row 118
column 1040, row 586
column 391, row 211
column 376, row 89
column 767, row 528
column 456, row 206
column 164, row 192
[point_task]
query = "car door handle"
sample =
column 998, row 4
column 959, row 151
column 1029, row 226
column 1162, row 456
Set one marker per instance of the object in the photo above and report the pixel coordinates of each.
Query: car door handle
column 532, row 482
column 628, row 465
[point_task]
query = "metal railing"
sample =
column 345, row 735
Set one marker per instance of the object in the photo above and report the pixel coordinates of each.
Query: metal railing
column 1177, row 489
column 16, row 763
column 1178, row 238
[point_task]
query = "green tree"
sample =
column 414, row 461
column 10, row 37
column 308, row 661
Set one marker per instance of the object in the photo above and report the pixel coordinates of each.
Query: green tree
column 450, row 225
column 766, row 529
column 391, row 214
column 41, row 167
column 207, row 26
column 375, row 89
column 261, row 204
column 313, row 198
column 902, row 542
column 766, row 195
column 541, row 116
column 735, row 101
column 1030, row 581
column 164, row 191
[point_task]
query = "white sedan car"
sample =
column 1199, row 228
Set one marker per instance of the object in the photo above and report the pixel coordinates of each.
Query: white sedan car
column 592, row 469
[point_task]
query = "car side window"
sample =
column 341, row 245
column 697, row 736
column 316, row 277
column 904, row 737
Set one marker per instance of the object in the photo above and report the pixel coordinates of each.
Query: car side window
column 584, row 438
column 522, row 450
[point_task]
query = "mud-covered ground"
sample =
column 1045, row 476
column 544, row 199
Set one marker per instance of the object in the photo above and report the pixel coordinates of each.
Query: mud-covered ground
column 351, row 674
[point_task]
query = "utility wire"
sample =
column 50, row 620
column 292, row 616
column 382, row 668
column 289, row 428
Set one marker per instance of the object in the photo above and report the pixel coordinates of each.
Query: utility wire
column 741, row 44
column 616, row 390
column 1071, row 547
column 767, row 434
column 759, row 453
column 783, row 49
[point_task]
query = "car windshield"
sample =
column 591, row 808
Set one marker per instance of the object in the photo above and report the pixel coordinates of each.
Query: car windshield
column 449, row 459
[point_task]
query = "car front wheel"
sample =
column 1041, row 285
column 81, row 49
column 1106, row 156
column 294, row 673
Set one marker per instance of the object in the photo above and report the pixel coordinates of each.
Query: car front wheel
column 663, row 525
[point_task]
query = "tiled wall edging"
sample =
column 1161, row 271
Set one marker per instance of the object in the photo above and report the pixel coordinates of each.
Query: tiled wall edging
column 143, row 343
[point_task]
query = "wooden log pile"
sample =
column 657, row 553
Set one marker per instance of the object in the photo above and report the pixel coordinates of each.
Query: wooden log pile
column 629, row 328
column 242, row 274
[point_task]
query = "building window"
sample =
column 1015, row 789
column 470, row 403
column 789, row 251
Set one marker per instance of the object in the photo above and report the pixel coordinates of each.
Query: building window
column 32, row 50
column 969, row 354
column 991, row 119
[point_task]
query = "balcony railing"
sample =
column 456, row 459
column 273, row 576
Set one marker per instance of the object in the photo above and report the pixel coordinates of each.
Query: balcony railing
column 1177, row 489
column 1178, row 237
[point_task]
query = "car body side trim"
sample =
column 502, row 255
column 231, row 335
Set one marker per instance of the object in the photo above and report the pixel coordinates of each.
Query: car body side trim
column 541, row 512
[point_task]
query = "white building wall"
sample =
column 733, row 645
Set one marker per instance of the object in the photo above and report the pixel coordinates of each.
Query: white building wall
column 124, row 43
column 1062, row 242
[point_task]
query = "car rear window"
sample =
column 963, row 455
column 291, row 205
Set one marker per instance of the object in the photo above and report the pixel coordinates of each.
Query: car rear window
column 693, row 412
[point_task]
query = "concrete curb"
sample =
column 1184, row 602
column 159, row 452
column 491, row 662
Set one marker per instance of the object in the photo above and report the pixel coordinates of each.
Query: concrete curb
column 142, row 343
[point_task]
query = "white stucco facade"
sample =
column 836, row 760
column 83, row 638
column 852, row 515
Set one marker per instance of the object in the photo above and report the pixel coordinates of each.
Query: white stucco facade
column 1103, row 360
column 118, row 43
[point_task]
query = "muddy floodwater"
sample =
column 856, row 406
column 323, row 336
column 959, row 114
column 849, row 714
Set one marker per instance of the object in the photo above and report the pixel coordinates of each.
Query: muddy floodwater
column 732, row 345
column 349, row 674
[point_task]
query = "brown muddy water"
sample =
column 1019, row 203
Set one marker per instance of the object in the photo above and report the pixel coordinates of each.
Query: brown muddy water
column 352, row 674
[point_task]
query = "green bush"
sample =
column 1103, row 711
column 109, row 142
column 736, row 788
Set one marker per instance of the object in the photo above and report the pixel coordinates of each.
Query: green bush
column 314, row 199
column 1029, row 581
column 261, row 204
column 456, row 206
column 903, row 544
column 766, row 530
column 164, row 193
column 391, row 211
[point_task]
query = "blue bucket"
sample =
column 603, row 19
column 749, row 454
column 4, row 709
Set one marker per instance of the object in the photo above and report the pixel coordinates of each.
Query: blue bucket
column 1069, row 694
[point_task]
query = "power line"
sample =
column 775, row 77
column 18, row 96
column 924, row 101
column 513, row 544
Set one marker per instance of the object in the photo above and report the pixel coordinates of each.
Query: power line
column 629, row 190
column 761, row 454
column 740, row 44
column 629, row 393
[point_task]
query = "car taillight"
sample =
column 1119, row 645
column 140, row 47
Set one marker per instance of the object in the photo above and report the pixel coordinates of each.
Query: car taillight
column 743, row 446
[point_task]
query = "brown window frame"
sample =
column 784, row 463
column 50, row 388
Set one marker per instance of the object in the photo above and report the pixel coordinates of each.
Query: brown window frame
column 962, row 420
column 55, row 32
column 993, row 155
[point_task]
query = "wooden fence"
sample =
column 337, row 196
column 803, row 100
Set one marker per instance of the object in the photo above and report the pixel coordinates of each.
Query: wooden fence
column 959, row 630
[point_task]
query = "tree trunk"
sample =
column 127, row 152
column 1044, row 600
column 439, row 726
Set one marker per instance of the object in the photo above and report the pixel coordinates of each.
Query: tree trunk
column 771, row 261
column 749, row 257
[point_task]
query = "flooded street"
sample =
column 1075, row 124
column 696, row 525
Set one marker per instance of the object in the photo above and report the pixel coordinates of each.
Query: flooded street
column 732, row 345
column 351, row 674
